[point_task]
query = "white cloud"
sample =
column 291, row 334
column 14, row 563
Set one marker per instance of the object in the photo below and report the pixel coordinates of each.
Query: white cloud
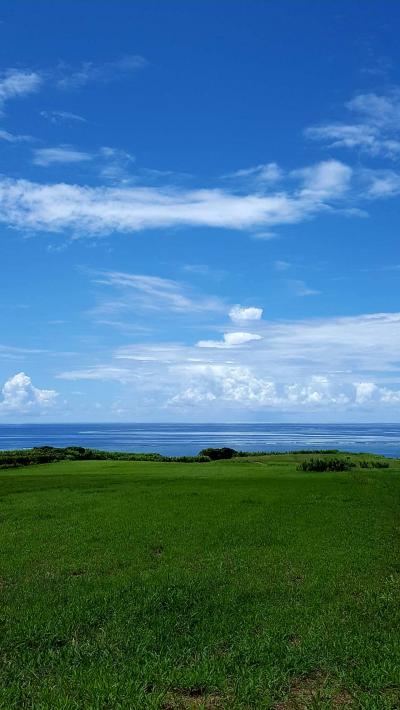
column 15, row 83
column 95, row 211
column 20, row 396
column 281, row 265
column 379, row 109
column 59, row 155
column 11, row 352
column 116, row 164
column 230, row 340
column 240, row 386
column 226, row 383
column 241, row 313
column 263, row 173
column 62, row 117
column 340, row 365
column 300, row 288
column 100, row 372
column 13, row 138
column 87, row 72
column 376, row 130
column 381, row 183
column 141, row 291
column 329, row 179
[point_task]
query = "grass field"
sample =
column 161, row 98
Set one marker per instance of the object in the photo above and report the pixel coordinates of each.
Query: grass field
column 231, row 584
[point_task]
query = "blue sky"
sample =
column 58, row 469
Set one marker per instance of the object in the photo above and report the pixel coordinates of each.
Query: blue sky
column 199, row 211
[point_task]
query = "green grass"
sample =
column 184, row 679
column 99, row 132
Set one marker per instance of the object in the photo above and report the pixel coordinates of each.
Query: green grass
column 231, row 584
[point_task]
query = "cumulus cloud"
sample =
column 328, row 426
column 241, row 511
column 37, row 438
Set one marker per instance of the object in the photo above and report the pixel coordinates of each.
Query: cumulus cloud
column 15, row 83
column 20, row 396
column 240, row 313
column 230, row 340
column 346, row 364
column 240, row 385
column 229, row 383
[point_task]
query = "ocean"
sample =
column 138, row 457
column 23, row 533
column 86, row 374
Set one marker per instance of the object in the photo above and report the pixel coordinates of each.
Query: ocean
column 189, row 439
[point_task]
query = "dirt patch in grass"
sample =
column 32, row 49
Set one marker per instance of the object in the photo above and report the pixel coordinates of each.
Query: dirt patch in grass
column 190, row 699
column 157, row 551
column 306, row 693
column 294, row 640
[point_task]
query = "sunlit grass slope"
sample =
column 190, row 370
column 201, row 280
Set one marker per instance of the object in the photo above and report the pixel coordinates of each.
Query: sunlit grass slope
column 230, row 584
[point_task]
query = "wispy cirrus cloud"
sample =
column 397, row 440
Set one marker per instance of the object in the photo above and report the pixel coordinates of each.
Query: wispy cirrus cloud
column 300, row 288
column 138, row 292
column 87, row 72
column 376, row 129
column 263, row 173
column 62, row 117
column 59, row 155
column 14, row 138
column 14, row 353
column 230, row 340
column 101, row 210
column 381, row 183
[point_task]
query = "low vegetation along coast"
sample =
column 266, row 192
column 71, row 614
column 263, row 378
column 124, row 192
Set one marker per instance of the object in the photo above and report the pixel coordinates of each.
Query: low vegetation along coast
column 229, row 580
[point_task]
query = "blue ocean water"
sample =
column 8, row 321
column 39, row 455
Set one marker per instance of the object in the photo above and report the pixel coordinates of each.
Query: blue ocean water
column 188, row 439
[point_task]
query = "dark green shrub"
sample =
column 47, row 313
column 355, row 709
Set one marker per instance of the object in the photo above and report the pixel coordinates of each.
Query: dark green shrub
column 216, row 454
column 317, row 464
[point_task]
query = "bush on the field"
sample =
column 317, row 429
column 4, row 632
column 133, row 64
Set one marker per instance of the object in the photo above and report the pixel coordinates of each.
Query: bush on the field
column 215, row 454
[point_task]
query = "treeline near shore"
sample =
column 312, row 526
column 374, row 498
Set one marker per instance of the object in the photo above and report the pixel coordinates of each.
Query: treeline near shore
column 332, row 459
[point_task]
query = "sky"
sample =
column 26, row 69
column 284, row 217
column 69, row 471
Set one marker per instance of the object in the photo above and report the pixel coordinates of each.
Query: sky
column 199, row 211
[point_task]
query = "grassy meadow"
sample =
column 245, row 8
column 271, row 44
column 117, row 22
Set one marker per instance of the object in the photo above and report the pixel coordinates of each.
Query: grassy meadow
column 230, row 584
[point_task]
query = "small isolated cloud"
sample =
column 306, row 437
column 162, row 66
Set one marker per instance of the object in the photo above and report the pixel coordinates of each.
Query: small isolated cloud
column 21, row 396
column 88, row 72
column 59, row 155
column 281, row 265
column 13, row 138
column 263, row 173
column 376, row 129
column 240, row 313
column 15, row 83
column 300, row 288
column 381, row 183
column 116, row 164
column 62, row 117
column 230, row 340
column 329, row 179
column 265, row 236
